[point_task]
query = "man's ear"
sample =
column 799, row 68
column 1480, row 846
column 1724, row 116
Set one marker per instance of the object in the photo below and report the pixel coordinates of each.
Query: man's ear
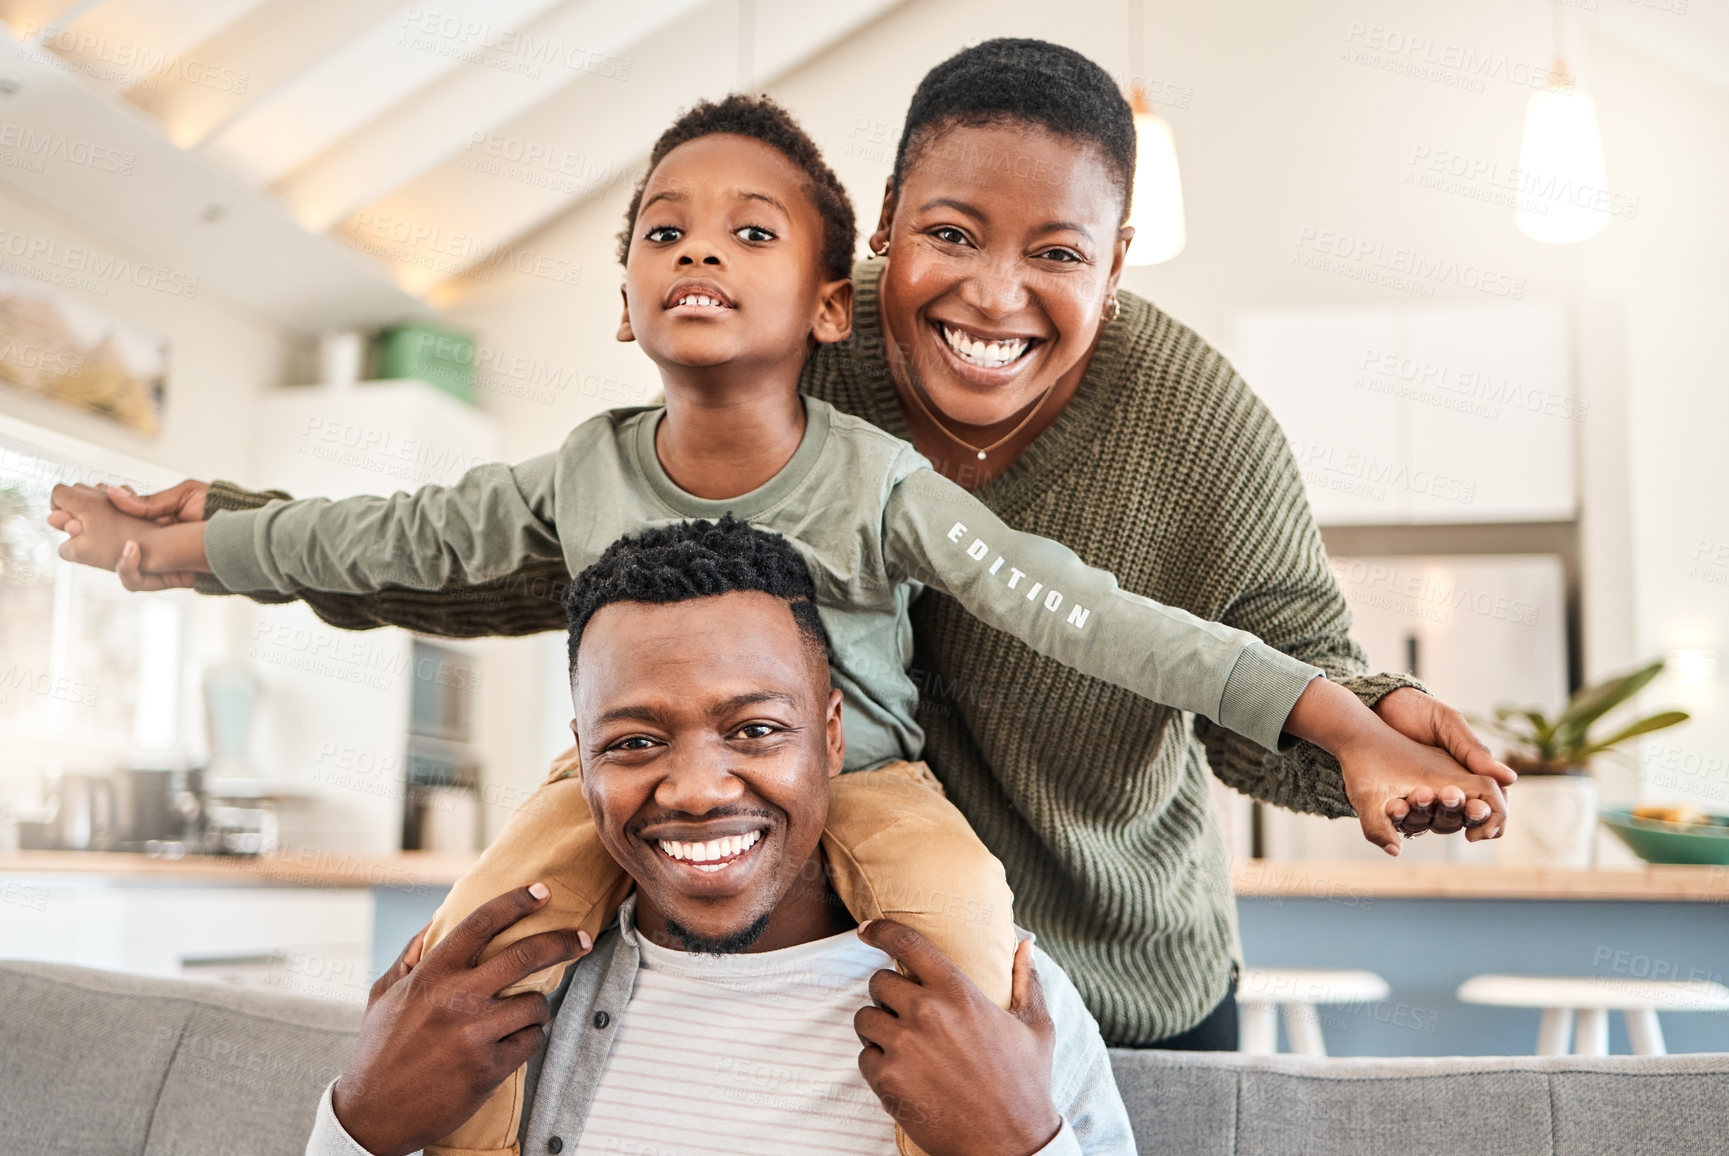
column 833, row 312
column 886, row 219
column 625, row 333
column 836, row 735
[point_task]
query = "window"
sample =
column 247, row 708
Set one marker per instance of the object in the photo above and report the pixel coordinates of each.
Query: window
column 90, row 673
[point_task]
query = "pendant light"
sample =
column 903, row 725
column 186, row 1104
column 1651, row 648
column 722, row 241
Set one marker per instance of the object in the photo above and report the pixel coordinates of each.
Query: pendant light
column 1562, row 194
column 1156, row 212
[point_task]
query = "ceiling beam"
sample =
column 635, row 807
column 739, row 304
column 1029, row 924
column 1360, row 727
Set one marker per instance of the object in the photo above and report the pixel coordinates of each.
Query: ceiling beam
column 590, row 38
column 472, row 212
column 256, row 55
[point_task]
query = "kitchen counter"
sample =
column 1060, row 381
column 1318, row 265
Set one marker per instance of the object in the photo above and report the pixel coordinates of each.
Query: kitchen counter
column 413, row 870
column 1345, row 880
column 1257, row 879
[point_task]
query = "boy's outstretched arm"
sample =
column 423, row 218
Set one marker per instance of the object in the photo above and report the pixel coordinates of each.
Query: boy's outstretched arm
column 489, row 522
column 1042, row 593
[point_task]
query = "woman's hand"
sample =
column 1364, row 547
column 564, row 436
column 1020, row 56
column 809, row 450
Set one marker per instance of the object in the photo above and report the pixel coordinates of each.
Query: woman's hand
column 1425, row 719
column 181, row 502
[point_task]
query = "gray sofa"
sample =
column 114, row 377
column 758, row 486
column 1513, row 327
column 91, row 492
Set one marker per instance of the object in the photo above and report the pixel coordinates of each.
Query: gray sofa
column 94, row 1063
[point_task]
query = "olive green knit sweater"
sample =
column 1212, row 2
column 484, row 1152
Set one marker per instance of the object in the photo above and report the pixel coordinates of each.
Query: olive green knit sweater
column 1167, row 471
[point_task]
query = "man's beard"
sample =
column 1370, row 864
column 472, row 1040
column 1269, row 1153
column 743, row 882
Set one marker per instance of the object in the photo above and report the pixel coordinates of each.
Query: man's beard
column 731, row 943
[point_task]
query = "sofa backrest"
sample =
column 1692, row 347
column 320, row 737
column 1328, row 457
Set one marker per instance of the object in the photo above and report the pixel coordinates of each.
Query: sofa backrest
column 103, row 1064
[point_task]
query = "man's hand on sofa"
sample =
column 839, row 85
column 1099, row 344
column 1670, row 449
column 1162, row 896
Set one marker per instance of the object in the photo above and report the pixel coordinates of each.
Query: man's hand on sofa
column 957, row 1072
column 437, row 1039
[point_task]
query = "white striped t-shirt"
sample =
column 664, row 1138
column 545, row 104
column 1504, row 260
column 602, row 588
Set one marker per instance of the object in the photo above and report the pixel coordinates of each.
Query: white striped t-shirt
column 751, row 1053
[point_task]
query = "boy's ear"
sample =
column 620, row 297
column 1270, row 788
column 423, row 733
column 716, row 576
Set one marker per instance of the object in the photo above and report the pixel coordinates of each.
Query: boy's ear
column 887, row 218
column 833, row 312
column 625, row 333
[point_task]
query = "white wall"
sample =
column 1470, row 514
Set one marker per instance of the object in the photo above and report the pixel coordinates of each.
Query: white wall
column 220, row 357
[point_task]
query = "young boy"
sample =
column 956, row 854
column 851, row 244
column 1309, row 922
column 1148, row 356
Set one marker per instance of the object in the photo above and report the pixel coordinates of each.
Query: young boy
column 737, row 251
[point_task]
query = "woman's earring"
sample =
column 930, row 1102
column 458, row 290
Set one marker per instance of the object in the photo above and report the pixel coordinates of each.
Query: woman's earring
column 1116, row 307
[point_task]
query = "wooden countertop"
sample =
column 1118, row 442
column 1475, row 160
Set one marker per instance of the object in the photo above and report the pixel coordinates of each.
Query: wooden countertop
column 301, row 868
column 1345, row 881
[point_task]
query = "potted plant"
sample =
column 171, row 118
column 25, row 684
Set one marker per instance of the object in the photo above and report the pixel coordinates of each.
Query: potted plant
column 1556, row 821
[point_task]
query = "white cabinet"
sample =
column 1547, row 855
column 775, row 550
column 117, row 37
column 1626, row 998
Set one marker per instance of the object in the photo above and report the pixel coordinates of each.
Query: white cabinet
column 309, row 941
column 1446, row 413
column 334, row 716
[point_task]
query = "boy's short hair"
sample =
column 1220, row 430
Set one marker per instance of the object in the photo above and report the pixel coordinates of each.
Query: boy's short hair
column 1012, row 81
column 696, row 560
column 761, row 119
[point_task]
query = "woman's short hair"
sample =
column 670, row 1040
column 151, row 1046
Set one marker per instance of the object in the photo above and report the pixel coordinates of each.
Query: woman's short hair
column 1035, row 82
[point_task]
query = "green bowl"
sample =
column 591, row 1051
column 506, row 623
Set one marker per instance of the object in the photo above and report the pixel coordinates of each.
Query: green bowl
column 1658, row 842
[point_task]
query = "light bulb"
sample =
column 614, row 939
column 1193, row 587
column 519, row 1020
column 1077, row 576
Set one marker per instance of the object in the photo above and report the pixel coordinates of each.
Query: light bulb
column 1157, row 211
column 1562, row 197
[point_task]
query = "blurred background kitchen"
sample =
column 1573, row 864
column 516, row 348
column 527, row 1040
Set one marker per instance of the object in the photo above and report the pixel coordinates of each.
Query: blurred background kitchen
column 1473, row 256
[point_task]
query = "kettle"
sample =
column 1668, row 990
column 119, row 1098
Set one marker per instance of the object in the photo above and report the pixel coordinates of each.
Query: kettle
column 88, row 818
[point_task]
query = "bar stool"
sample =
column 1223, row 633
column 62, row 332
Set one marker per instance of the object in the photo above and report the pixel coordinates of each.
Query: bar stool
column 1261, row 991
column 1591, row 999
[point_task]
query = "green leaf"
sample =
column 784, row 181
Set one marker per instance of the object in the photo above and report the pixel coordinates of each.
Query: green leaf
column 1594, row 702
column 1644, row 726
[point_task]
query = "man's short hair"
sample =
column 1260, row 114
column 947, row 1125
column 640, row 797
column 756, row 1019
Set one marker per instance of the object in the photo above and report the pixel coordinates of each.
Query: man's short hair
column 697, row 559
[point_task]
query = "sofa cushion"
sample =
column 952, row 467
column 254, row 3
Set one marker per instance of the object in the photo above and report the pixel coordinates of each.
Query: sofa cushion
column 1448, row 1106
column 101, row 1064
column 96, row 1063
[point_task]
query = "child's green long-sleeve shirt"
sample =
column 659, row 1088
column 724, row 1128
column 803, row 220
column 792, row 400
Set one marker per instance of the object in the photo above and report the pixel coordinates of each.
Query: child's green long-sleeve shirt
column 872, row 520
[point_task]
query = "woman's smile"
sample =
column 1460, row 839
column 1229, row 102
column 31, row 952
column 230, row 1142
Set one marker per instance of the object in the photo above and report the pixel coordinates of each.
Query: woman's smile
column 989, row 359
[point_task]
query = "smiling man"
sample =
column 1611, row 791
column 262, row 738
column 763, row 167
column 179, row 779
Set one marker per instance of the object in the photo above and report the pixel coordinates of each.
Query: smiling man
column 726, row 1009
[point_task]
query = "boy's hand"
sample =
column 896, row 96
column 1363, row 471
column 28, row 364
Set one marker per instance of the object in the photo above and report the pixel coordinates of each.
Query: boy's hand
column 1399, row 785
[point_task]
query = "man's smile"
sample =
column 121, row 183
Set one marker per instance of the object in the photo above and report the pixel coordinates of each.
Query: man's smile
column 712, row 855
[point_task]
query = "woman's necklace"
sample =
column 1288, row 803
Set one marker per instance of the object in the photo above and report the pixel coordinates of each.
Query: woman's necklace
column 912, row 387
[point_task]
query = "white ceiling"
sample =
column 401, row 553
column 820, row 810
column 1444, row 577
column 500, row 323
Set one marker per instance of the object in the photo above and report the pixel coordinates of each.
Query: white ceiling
column 333, row 162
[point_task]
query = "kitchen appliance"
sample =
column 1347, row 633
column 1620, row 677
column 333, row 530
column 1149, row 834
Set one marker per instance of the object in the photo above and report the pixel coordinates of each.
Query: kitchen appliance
column 87, row 815
column 164, row 807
